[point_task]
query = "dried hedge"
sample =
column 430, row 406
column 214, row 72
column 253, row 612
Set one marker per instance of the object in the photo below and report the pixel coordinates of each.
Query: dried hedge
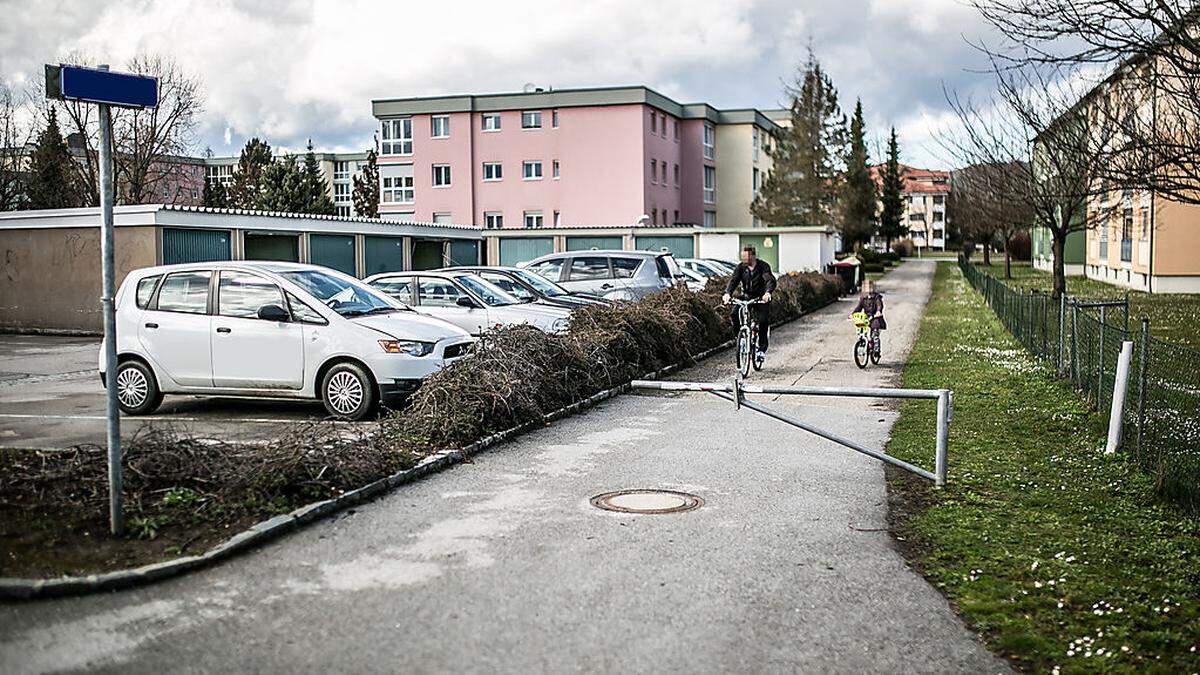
column 515, row 376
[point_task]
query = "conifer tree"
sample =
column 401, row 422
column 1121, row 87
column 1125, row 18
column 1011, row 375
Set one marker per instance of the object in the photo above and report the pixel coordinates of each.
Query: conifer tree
column 247, row 178
column 315, row 193
column 366, row 188
column 891, row 224
column 283, row 187
column 215, row 194
column 858, row 189
column 51, row 174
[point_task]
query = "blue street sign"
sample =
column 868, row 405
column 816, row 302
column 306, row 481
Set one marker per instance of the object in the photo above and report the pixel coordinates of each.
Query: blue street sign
column 101, row 86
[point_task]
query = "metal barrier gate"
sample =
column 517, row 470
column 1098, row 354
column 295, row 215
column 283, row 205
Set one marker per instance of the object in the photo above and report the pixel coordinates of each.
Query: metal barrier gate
column 735, row 392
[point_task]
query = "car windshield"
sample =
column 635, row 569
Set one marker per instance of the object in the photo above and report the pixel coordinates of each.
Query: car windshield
column 490, row 293
column 544, row 286
column 344, row 296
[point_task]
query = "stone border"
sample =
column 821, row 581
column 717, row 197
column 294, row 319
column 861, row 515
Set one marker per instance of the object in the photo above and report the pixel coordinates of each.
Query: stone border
column 12, row 588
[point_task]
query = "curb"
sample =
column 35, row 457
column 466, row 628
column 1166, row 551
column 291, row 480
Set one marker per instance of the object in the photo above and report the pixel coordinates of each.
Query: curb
column 12, row 588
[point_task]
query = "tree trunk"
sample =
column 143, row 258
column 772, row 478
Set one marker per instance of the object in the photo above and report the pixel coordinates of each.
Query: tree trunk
column 987, row 254
column 1007, row 258
column 1059, row 285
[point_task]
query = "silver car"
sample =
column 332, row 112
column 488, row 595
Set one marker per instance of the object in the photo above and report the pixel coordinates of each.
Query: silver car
column 613, row 275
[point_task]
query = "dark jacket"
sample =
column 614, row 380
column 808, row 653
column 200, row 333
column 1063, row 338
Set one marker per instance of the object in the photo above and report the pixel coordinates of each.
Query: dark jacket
column 872, row 304
column 754, row 281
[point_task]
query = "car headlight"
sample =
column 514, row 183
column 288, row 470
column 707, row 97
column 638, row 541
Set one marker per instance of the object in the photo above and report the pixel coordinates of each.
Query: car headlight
column 410, row 347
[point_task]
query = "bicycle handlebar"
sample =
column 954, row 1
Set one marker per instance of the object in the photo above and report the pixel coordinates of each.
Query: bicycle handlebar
column 739, row 301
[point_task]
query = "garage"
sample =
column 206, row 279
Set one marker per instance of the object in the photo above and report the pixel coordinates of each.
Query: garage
column 272, row 246
column 383, row 254
column 523, row 249
column 595, row 243
column 766, row 245
column 181, row 245
column 427, row 254
column 335, row 251
column 464, row 253
column 680, row 246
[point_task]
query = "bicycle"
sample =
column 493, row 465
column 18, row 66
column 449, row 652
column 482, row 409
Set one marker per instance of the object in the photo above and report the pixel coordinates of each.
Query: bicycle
column 747, row 340
column 866, row 347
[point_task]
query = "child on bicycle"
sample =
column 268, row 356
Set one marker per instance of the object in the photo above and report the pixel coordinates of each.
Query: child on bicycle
column 871, row 303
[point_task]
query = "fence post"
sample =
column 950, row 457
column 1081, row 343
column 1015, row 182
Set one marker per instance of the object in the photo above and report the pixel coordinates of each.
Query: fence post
column 1075, row 343
column 1116, row 416
column 1126, row 313
column 1142, row 382
column 1062, row 331
column 1100, row 362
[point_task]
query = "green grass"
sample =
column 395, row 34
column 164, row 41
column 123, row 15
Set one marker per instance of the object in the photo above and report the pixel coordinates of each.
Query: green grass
column 1173, row 317
column 1060, row 556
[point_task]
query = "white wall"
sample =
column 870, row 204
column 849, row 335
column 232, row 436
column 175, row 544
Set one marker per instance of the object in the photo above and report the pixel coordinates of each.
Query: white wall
column 805, row 251
column 720, row 246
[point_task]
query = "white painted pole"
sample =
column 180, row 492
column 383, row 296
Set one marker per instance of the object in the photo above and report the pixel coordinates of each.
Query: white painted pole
column 1116, row 416
column 943, row 437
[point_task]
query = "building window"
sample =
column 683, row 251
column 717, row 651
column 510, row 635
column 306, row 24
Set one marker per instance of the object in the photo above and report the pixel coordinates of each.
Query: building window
column 396, row 137
column 343, row 211
column 396, row 184
column 341, row 170
column 531, row 170
column 755, row 178
column 710, row 185
column 341, row 192
column 710, row 141
column 554, row 118
column 653, row 122
column 676, row 175
column 554, row 168
column 443, row 218
column 492, row 171
column 664, row 172
column 531, row 119
column 938, row 216
column 939, row 200
column 557, row 219
column 441, row 175
column 490, row 122
column 1145, row 225
column 493, row 220
column 676, row 220
column 533, row 219
column 676, row 131
column 439, row 126
column 654, row 171
column 222, row 174
column 755, row 143
column 710, row 218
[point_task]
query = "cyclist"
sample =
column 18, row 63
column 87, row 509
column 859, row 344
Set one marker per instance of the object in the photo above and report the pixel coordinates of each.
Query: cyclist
column 871, row 303
column 757, row 282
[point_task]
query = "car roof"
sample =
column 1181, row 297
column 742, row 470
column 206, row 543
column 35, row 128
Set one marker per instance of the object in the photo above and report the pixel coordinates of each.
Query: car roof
column 261, row 265
column 604, row 252
column 445, row 274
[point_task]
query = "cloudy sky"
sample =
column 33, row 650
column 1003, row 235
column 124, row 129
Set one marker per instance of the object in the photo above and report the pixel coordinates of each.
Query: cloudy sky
column 289, row 70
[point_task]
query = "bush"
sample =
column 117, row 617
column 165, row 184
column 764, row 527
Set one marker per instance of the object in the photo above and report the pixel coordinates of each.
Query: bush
column 905, row 248
column 869, row 268
column 1020, row 247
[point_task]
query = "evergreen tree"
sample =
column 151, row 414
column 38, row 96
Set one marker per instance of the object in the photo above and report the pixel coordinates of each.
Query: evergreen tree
column 802, row 186
column 51, row 179
column 366, row 188
column 215, row 194
column 858, row 189
column 314, row 187
column 283, row 187
column 891, row 224
column 247, row 179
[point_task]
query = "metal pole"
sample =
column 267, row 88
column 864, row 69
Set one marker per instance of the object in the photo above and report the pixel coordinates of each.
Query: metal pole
column 1062, row 330
column 108, row 290
column 1142, row 382
column 861, row 392
column 1075, row 344
column 943, row 437
column 1116, row 416
column 1100, row 363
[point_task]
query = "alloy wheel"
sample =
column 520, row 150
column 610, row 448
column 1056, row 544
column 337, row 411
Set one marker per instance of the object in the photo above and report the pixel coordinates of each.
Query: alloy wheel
column 132, row 387
column 345, row 392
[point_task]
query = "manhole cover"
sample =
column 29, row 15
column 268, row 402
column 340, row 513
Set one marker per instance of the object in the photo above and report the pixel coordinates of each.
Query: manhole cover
column 647, row 501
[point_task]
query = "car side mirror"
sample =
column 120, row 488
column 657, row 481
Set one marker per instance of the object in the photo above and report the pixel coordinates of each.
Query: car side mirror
column 272, row 313
column 464, row 301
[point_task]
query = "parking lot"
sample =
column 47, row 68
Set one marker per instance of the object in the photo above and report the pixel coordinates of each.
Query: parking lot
column 51, row 397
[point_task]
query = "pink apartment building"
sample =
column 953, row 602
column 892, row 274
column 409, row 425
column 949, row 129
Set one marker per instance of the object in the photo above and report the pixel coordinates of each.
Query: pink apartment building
column 565, row 158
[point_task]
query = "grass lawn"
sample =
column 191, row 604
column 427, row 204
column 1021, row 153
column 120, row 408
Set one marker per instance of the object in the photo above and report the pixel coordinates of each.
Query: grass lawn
column 1061, row 557
column 1173, row 317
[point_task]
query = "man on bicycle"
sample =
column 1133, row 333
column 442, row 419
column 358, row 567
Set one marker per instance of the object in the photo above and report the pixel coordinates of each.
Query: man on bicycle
column 757, row 282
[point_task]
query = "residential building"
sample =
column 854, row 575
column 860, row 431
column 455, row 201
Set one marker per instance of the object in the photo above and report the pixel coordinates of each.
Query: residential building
column 67, row 241
column 569, row 158
column 338, row 169
column 924, row 198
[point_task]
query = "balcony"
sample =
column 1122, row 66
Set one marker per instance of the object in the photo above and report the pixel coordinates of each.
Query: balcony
column 1126, row 250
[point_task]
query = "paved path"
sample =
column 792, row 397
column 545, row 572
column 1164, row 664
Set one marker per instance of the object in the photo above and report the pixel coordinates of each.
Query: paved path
column 503, row 566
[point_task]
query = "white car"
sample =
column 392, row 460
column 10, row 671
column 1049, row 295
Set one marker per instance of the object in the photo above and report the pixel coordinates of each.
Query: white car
column 695, row 281
column 467, row 300
column 271, row 330
column 707, row 268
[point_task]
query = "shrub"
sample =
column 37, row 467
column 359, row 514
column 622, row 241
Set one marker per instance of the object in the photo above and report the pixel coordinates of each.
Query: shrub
column 1020, row 247
column 905, row 248
column 869, row 268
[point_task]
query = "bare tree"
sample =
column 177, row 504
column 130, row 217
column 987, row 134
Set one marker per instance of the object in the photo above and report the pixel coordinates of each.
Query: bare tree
column 1143, row 57
column 14, row 137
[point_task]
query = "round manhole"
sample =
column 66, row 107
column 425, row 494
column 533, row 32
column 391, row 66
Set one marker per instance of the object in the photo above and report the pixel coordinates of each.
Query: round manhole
column 647, row 501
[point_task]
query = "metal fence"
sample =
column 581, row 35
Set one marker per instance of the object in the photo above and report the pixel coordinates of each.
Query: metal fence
column 1082, row 338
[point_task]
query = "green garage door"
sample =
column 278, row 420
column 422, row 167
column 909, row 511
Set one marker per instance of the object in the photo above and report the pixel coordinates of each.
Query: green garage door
column 598, row 243
column 189, row 246
column 679, row 246
column 765, row 245
column 464, row 253
column 383, row 254
column 332, row 250
column 427, row 254
column 271, row 246
column 523, row 249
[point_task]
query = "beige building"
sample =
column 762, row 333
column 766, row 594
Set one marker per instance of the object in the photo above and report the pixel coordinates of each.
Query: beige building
column 742, row 164
column 339, row 170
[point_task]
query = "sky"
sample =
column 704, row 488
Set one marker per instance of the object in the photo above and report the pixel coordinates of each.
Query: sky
column 290, row 70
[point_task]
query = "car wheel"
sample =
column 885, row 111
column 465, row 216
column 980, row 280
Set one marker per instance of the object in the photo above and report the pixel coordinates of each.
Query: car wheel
column 348, row 393
column 137, row 389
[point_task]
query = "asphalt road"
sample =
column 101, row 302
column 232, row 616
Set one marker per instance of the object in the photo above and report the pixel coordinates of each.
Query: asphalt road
column 503, row 565
column 51, row 397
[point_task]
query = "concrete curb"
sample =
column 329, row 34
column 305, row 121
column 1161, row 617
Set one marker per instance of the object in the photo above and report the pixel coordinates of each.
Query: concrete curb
column 262, row 532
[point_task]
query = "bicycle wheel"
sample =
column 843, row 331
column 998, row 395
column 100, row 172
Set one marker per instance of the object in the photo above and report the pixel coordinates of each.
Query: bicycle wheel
column 875, row 353
column 745, row 353
column 754, row 360
column 860, row 352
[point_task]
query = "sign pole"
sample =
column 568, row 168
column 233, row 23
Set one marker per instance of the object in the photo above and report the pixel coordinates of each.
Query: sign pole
column 108, row 290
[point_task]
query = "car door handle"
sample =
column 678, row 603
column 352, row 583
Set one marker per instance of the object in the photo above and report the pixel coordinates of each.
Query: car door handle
column 223, row 329
column 605, row 286
column 151, row 325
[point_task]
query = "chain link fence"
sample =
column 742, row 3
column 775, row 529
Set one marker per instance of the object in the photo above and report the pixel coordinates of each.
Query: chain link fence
column 1082, row 339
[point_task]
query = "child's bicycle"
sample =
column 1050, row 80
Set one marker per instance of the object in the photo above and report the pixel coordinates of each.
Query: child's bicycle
column 866, row 348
